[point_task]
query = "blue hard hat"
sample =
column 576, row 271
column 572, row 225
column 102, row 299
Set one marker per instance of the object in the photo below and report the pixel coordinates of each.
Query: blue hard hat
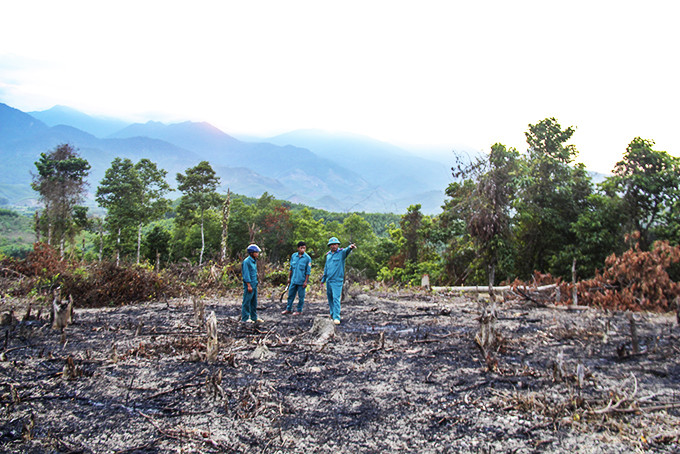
column 253, row 248
column 333, row 240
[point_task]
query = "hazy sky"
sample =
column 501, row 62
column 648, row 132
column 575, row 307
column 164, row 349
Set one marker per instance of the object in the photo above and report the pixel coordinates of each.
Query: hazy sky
column 445, row 74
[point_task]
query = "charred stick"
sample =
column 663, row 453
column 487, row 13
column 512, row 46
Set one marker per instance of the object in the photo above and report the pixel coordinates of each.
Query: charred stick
column 158, row 428
column 633, row 334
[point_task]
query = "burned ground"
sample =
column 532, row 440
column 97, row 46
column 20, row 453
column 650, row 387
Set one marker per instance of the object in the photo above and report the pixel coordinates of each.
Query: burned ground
column 401, row 373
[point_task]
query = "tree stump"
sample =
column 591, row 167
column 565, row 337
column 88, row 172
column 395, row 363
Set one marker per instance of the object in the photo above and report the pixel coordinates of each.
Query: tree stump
column 487, row 337
column 62, row 312
column 199, row 311
column 323, row 329
column 212, row 343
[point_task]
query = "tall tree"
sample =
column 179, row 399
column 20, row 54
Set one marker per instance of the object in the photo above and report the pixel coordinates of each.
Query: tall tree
column 410, row 224
column 487, row 204
column 460, row 253
column 157, row 245
column 133, row 196
column 273, row 227
column 552, row 192
column 599, row 229
column 356, row 229
column 310, row 230
column 119, row 193
column 152, row 203
column 199, row 185
column 649, row 184
column 60, row 181
column 226, row 206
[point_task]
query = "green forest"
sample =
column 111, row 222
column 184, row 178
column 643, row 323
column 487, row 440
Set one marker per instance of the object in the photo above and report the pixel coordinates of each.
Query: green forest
column 509, row 215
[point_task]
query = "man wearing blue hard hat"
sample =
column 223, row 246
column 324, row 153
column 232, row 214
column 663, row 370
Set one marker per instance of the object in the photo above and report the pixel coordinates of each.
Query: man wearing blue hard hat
column 334, row 274
column 249, row 272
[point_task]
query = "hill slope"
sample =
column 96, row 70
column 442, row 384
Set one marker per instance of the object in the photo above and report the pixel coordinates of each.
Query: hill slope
column 406, row 177
column 62, row 115
column 333, row 172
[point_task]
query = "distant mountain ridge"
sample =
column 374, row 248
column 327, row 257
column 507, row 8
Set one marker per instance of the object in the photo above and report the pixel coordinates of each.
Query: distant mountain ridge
column 62, row 115
column 386, row 165
column 348, row 173
column 296, row 170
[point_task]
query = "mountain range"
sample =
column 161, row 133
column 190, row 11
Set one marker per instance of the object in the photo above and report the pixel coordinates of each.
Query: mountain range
column 336, row 172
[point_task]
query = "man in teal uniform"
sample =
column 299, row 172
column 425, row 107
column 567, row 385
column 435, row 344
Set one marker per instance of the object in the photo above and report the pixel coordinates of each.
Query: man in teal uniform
column 298, row 277
column 249, row 272
column 334, row 274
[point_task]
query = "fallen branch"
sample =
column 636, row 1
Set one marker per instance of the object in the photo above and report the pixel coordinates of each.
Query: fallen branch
column 7, row 270
column 485, row 288
column 158, row 428
column 649, row 408
column 528, row 297
column 3, row 356
column 183, row 434
column 472, row 289
column 615, row 407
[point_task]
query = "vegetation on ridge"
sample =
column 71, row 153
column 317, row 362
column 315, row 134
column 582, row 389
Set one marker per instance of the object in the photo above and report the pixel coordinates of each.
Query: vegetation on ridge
column 508, row 214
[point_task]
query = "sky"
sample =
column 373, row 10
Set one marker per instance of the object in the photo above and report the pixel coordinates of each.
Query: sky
column 426, row 75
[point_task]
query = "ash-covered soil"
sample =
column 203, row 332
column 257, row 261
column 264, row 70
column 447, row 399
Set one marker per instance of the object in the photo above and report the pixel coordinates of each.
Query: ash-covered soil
column 402, row 373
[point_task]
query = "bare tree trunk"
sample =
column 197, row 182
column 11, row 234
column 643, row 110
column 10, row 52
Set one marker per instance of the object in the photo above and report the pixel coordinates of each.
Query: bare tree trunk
column 48, row 218
column 200, row 259
column 118, row 248
column 139, row 241
column 574, row 293
column 225, row 226
column 252, row 232
column 633, row 334
column 36, row 219
column 492, row 278
column 101, row 243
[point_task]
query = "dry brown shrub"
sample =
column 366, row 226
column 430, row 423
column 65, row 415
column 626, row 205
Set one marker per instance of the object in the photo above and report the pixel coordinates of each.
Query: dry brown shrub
column 109, row 284
column 42, row 271
column 42, row 261
column 98, row 284
column 637, row 280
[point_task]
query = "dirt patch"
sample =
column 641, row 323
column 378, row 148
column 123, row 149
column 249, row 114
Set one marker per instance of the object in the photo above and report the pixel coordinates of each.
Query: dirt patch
column 401, row 373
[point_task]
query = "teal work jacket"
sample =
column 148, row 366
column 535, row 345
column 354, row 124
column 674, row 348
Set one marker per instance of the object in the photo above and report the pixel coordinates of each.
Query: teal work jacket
column 249, row 271
column 300, row 267
column 334, row 270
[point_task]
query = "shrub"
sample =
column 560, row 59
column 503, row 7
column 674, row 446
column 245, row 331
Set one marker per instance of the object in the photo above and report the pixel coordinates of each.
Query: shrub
column 636, row 280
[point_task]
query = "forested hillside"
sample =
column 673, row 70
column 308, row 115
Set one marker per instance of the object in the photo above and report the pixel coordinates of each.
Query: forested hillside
column 16, row 233
column 508, row 215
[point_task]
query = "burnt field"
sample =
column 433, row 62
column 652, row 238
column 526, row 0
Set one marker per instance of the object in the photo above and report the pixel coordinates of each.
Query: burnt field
column 403, row 372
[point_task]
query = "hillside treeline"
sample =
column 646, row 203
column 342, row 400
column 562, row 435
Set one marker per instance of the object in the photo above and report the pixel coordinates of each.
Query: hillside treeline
column 508, row 214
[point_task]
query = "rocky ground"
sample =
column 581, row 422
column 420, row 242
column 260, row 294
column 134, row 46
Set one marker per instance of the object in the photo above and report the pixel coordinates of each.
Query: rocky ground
column 402, row 373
